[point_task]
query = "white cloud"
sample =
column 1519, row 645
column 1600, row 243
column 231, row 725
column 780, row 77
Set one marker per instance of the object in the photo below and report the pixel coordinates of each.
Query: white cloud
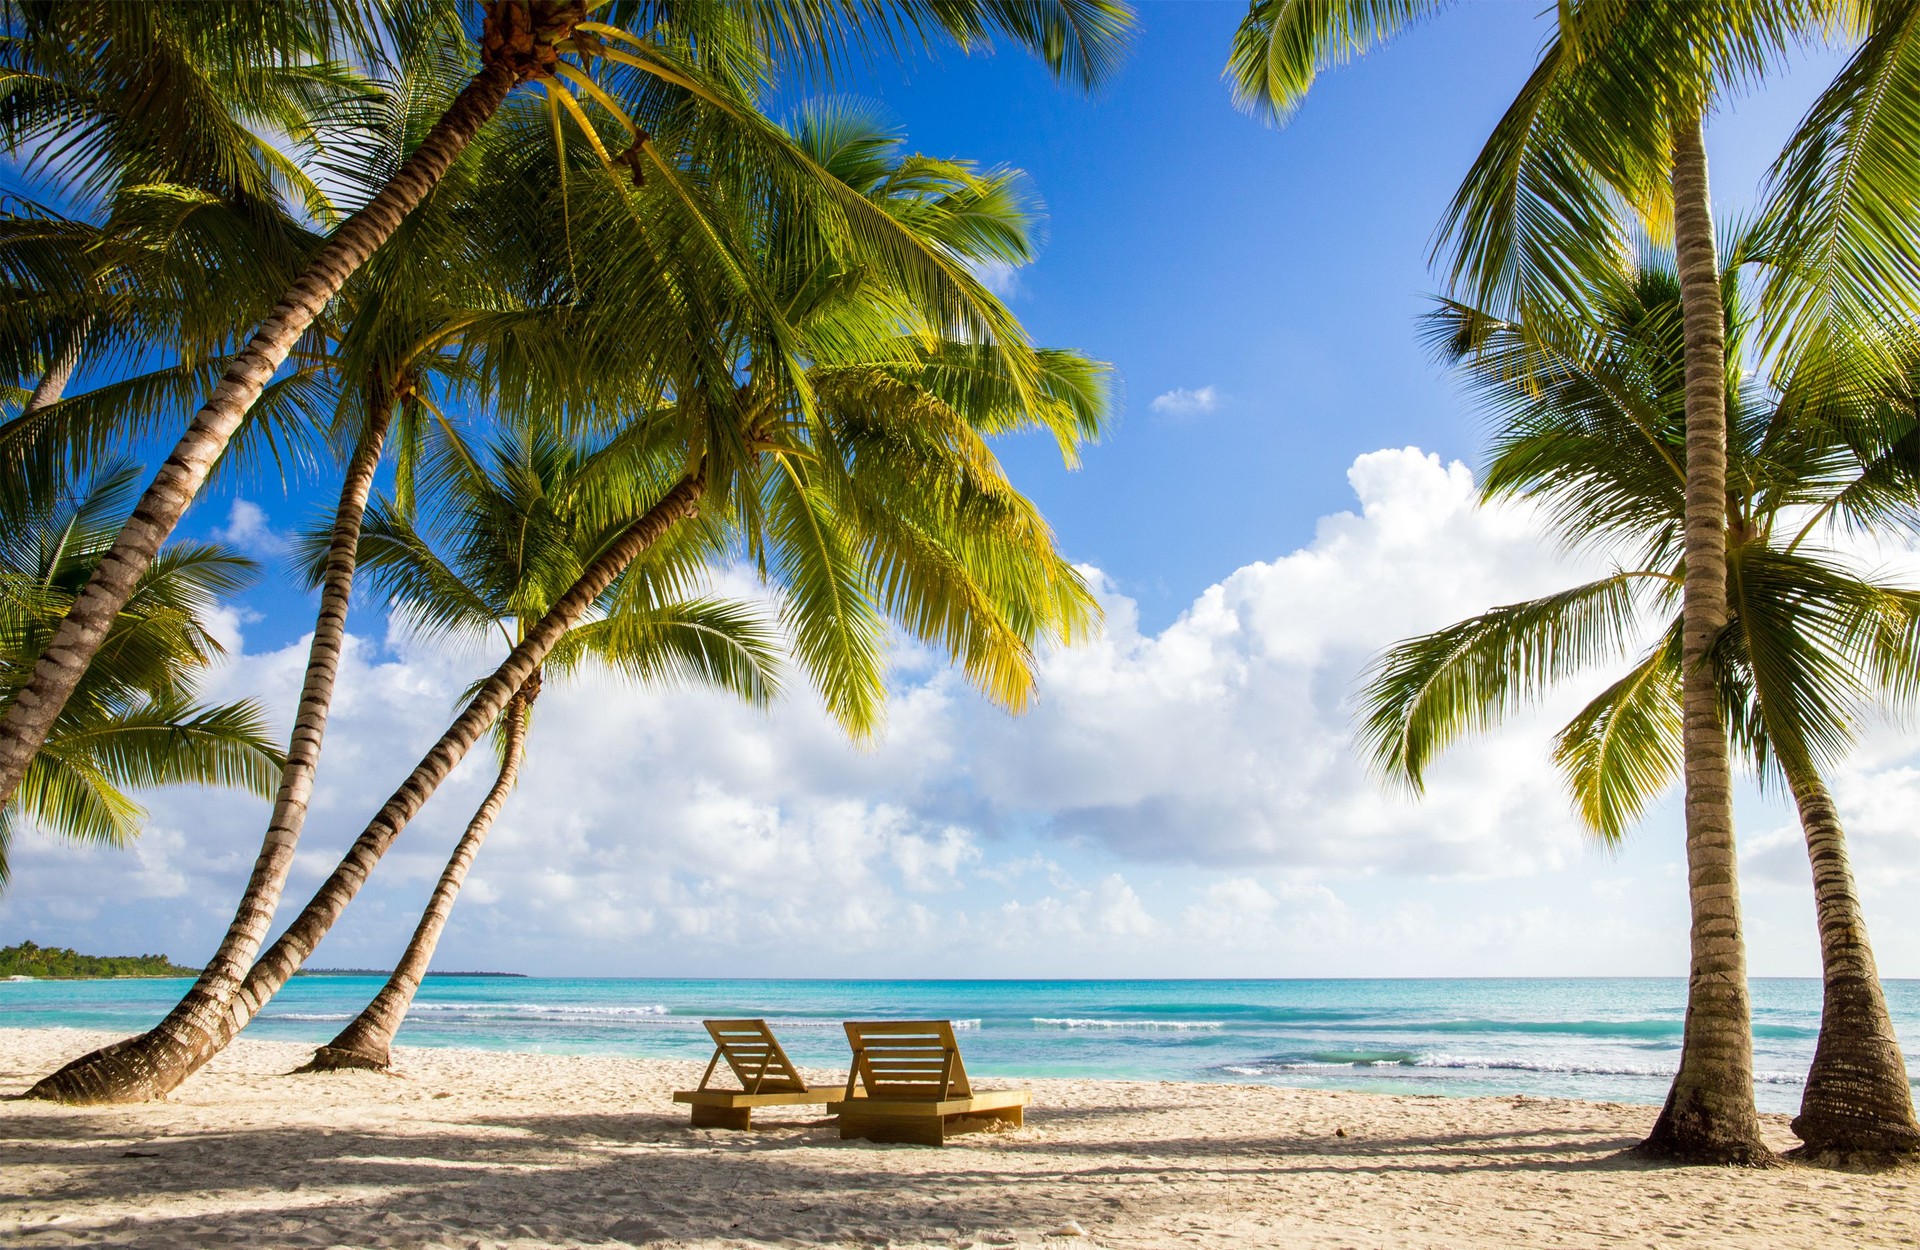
column 1000, row 278
column 248, row 529
column 1226, row 738
column 1181, row 402
column 1180, row 802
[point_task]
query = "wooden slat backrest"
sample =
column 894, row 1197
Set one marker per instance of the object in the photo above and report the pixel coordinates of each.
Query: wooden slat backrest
column 906, row 1059
column 754, row 1054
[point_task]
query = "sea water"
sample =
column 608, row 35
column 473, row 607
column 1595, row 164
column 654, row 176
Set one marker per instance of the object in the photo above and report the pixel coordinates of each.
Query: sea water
column 1607, row 1039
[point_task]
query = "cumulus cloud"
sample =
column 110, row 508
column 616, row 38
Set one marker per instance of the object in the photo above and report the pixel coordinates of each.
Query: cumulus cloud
column 1226, row 738
column 1182, row 801
column 1000, row 277
column 1181, row 402
column 247, row 528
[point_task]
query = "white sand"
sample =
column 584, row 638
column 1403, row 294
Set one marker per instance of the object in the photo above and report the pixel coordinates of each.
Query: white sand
column 480, row 1149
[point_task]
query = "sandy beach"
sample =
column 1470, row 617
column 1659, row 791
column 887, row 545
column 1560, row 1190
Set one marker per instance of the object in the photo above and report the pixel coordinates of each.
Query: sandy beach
column 486, row 1149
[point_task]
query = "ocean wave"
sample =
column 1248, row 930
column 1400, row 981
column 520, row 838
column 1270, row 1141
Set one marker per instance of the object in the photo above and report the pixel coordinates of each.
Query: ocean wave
column 543, row 1009
column 1276, row 1067
column 305, row 1015
column 1642, row 1028
column 1562, row 1067
column 780, row 1022
column 1482, row 1063
column 1574, row 1067
column 1075, row 1022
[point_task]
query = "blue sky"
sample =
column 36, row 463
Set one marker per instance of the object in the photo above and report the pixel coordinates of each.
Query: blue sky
column 1183, row 802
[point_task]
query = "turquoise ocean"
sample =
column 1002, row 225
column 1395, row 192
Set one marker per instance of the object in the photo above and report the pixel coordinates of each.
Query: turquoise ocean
column 1607, row 1039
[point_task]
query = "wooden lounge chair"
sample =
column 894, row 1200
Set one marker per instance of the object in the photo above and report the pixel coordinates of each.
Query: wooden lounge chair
column 915, row 1086
column 767, row 1077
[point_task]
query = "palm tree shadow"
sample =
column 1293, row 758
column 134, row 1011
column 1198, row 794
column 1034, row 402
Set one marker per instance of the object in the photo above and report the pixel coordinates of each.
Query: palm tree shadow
column 632, row 1179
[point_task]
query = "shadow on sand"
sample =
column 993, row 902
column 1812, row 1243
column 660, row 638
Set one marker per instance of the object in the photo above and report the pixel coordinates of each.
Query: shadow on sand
column 604, row 1179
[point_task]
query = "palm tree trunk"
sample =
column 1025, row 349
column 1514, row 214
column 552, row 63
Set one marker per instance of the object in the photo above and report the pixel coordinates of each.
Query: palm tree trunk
column 60, row 667
column 122, row 1073
column 1709, row 1115
column 368, row 1041
column 53, row 383
column 1858, row 1100
column 197, row 1011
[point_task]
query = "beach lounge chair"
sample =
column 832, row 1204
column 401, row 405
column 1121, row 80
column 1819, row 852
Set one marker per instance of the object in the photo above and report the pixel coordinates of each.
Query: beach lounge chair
column 767, row 1077
column 907, row 1084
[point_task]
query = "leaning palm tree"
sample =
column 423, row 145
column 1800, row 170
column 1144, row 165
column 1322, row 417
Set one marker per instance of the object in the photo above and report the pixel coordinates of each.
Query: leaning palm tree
column 1610, row 126
column 871, row 495
column 886, row 502
column 423, row 328
column 134, row 722
column 198, row 122
column 580, row 64
column 1590, row 427
column 501, row 539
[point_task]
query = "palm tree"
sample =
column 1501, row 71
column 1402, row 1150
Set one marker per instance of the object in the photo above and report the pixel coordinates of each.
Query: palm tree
column 1610, row 123
column 419, row 327
column 192, row 130
column 889, row 498
column 134, row 722
column 1846, row 251
column 875, row 494
column 550, row 42
column 189, row 130
column 500, row 542
column 1590, row 425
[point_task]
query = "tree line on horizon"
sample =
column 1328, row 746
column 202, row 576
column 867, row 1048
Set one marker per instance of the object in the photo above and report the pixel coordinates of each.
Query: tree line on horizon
column 29, row 959
column 568, row 321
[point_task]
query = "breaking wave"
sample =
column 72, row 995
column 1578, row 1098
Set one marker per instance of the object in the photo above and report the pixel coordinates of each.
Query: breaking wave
column 542, row 1009
column 1073, row 1022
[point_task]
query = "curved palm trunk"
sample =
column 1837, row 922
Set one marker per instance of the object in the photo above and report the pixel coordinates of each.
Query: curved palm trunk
column 368, row 1041
column 121, row 1074
column 1709, row 1115
column 53, row 383
column 140, row 1064
column 59, row 669
column 1858, row 1099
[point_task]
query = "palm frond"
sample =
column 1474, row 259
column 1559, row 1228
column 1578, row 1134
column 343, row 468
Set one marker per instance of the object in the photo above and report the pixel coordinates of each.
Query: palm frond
column 1421, row 695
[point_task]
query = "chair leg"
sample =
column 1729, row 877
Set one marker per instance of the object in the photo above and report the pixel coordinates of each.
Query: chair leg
column 722, row 1117
column 917, row 1130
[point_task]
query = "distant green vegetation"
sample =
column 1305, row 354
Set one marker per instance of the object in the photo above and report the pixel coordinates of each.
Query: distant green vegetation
column 29, row 960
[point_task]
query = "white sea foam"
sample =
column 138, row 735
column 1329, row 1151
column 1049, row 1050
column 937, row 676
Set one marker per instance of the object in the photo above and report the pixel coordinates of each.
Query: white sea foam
column 543, row 1009
column 1312, row 1065
column 1072, row 1022
column 1569, row 1067
column 1575, row 1067
column 307, row 1015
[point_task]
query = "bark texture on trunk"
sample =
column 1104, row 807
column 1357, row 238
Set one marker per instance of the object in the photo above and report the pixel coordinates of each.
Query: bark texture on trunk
column 180, row 478
column 143, row 1057
column 368, row 1041
column 1858, row 1101
column 1709, row 1116
column 152, row 1071
column 53, row 383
